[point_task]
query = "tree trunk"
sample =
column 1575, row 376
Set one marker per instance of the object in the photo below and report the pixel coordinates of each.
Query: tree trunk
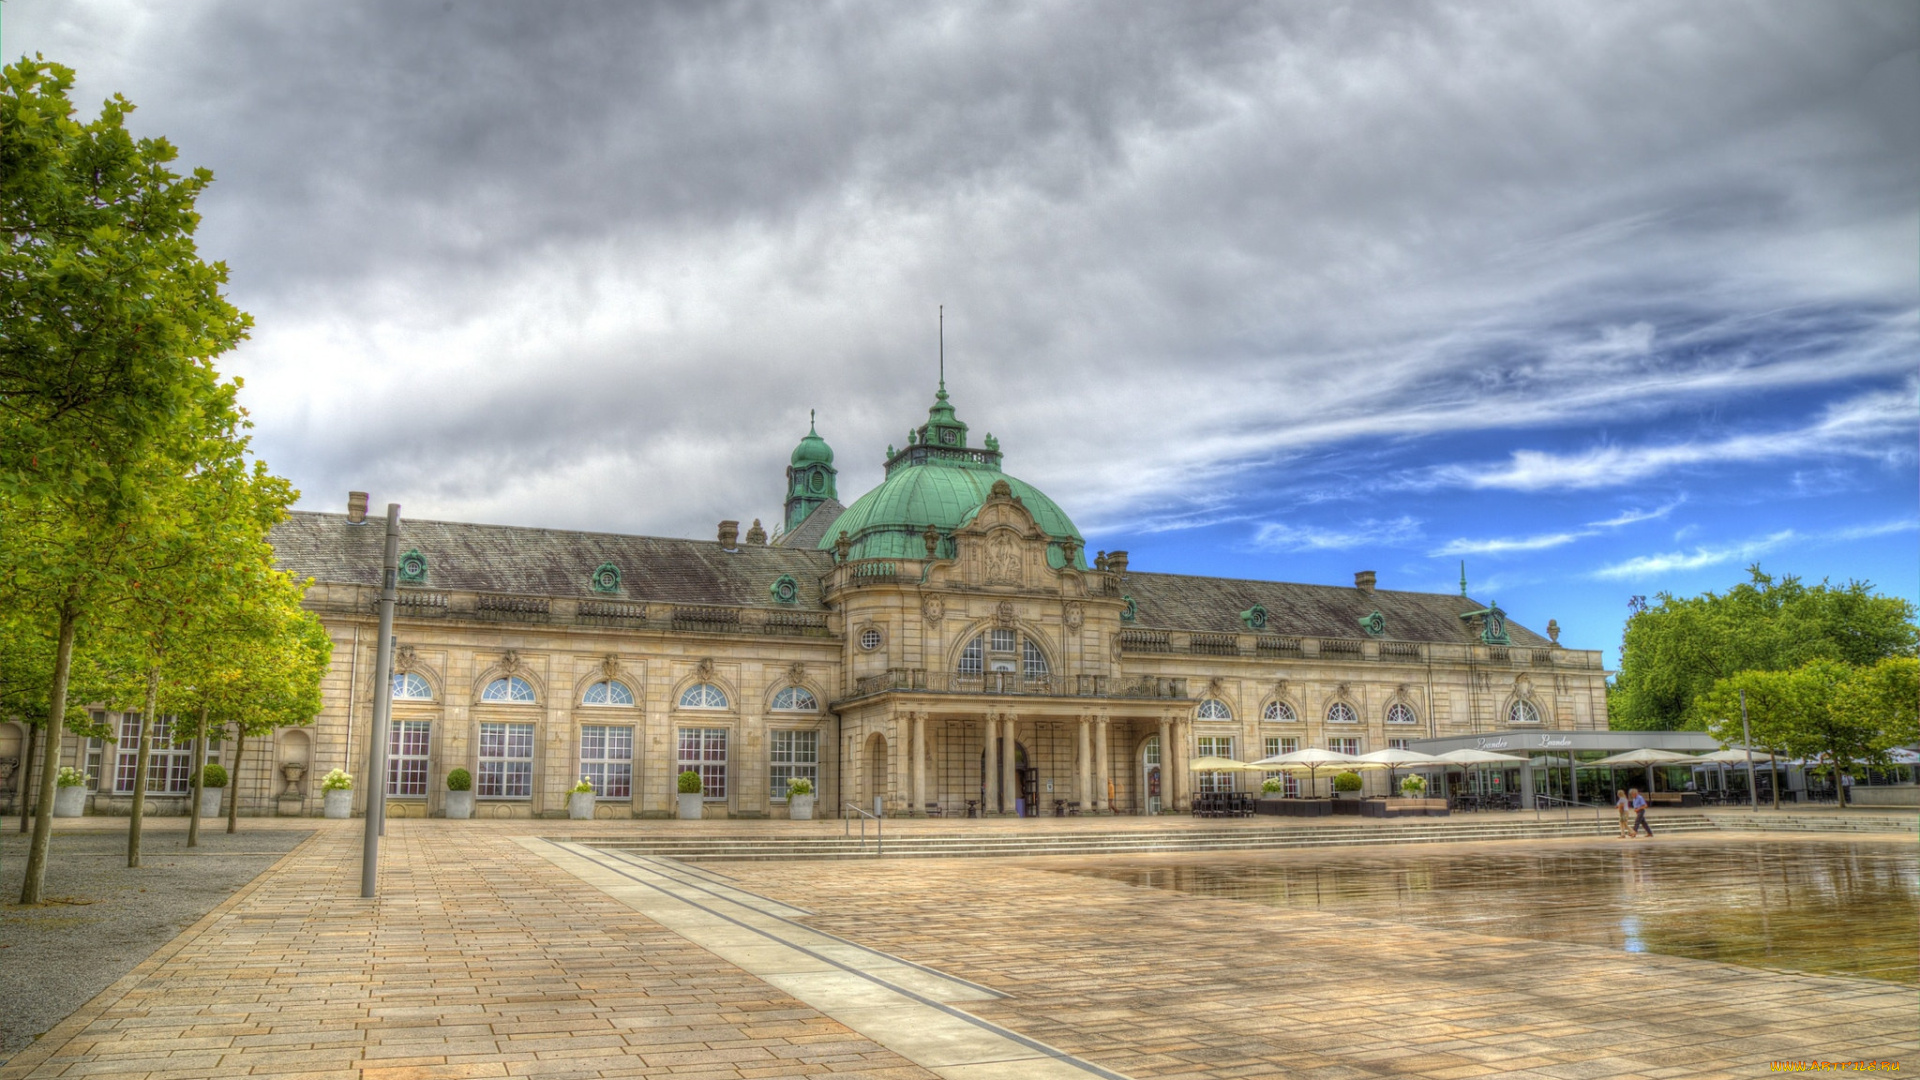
column 35, row 880
column 21, row 785
column 233, row 779
column 140, row 766
column 199, row 782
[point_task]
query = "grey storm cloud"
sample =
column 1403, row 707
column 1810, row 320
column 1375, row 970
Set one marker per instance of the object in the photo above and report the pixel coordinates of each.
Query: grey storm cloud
column 591, row 264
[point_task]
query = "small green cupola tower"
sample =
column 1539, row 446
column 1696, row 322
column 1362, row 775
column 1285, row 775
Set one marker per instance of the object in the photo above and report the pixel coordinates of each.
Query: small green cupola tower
column 809, row 476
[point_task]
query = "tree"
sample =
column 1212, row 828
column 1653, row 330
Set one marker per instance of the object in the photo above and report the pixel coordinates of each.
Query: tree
column 1673, row 652
column 109, row 323
column 1824, row 710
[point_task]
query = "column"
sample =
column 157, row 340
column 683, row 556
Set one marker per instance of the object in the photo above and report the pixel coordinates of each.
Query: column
column 990, row 803
column 1102, row 766
column 1166, row 763
column 1085, row 775
column 919, row 807
column 1009, row 754
column 1182, row 779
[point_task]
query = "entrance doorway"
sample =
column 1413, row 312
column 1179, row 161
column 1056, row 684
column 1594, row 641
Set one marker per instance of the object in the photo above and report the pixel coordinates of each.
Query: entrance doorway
column 1150, row 773
column 1026, row 778
column 873, row 774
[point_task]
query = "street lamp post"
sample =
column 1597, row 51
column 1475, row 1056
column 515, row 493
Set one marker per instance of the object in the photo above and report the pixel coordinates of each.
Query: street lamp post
column 382, row 710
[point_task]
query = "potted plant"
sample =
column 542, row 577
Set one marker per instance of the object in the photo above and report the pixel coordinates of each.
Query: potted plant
column 213, row 781
column 690, row 798
column 70, row 792
column 800, row 799
column 1413, row 787
column 336, row 789
column 460, row 794
column 1270, row 788
column 1347, row 782
column 580, row 800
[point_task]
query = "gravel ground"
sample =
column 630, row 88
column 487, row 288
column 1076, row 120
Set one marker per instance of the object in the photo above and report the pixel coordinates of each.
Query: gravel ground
column 55, row 958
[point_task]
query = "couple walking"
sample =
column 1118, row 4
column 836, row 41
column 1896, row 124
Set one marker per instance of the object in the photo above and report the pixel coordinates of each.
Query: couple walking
column 1632, row 801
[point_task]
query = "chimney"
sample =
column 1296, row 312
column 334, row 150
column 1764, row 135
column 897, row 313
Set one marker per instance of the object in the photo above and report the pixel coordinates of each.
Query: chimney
column 756, row 536
column 1363, row 581
column 1117, row 563
column 730, row 535
column 356, row 508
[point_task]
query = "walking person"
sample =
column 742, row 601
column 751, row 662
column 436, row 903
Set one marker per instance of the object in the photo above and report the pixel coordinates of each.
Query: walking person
column 1620, row 804
column 1639, row 804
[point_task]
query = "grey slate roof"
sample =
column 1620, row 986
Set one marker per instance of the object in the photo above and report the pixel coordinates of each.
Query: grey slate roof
column 809, row 532
column 1188, row 602
column 549, row 562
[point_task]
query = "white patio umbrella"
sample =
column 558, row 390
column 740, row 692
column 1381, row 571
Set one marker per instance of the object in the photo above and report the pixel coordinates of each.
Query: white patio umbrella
column 1733, row 756
column 1465, row 757
column 1311, row 759
column 1393, row 759
column 1645, row 756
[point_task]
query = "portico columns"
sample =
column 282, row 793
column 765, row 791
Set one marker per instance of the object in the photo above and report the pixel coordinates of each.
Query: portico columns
column 919, row 750
column 1182, row 779
column 1085, row 775
column 1009, row 752
column 990, row 801
column 1102, row 779
column 1166, row 763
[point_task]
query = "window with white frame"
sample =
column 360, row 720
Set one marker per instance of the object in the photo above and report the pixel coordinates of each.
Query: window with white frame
column 1344, row 745
column 972, row 658
column 704, row 750
column 607, row 692
column 410, row 686
column 1523, row 712
column 513, row 690
column 1033, row 662
column 1341, row 713
column 1399, row 713
column 606, row 760
column 1215, row 746
column 1284, row 744
column 1213, row 709
column 1279, row 712
column 870, row 639
column 407, row 744
column 795, row 699
column 168, row 766
column 795, row 756
column 1399, row 744
column 1003, row 640
column 703, row 696
column 506, row 761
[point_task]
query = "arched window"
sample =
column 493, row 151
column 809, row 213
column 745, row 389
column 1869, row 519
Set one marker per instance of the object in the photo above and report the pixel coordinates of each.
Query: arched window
column 512, row 689
column 1341, row 713
column 795, row 699
column 1522, row 712
column 703, row 696
column 1033, row 662
column 1214, row 709
column 410, row 687
column 1279, row 711
column 610, row 692
column 972, row 658
column 1400, row 714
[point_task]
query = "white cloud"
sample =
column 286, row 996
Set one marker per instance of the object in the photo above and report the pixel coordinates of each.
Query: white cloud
column 1634, row 517
column 1646, row 566
column 1275, row 536
column 1507, row 544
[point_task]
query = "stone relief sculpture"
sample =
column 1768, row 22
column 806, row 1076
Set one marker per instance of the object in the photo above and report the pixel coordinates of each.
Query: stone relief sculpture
column 1003, row 559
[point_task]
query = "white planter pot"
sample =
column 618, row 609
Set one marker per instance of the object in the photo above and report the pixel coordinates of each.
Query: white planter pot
column 580, row 806
column 210, row 801
column 339, row 804
column 800, row 807
column 460, row 804
column 691, row 806
column 69, row 801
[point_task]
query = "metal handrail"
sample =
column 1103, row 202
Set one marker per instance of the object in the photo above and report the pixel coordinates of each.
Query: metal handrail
column 879, row 830
column 1543, row 801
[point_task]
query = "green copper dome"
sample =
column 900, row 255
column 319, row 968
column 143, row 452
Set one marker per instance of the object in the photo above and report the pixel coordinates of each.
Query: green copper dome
column 939, row 480
column 813, row 450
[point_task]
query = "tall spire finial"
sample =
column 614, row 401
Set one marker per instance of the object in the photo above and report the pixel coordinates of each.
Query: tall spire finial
column 810, row 427
column 1463, row 577
column 943, row 351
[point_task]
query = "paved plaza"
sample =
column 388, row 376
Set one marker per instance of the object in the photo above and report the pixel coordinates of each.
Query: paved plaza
column 518, row 949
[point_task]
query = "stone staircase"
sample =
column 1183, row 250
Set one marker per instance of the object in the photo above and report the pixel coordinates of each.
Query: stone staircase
column 924, row 844
column 1824, row 821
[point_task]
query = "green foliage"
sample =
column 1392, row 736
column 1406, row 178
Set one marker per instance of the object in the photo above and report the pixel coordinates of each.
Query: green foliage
column 213, row 776
column 70, row 777
column 459, row 780
column 1346, row 781
column 1674, row 652
column 337, row 781
column 1413, row 787
column 584, row 787
column 1270, row 786
column 690, row 783
column 799, row 785
column 1822, row 710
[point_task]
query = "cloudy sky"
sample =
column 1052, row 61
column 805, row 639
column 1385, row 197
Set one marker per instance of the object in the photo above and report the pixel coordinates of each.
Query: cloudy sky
column 1604, row 299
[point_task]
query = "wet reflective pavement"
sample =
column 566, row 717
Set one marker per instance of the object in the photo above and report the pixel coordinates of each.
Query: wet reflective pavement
column 1848, row 907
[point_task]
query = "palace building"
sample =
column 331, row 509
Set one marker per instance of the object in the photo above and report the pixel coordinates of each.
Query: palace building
column 942, row 644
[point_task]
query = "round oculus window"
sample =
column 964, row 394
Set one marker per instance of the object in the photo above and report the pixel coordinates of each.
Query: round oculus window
column 949, row 436
column 413, row 566
column 869, row 639
column 818, row 481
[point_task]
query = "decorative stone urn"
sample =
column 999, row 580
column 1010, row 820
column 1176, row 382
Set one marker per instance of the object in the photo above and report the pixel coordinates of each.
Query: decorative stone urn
column 691, row 806
column 69, row 801
column 800, row 807
column 338, row 804
column 580, row 806
column 293, row 771
column 460, row 804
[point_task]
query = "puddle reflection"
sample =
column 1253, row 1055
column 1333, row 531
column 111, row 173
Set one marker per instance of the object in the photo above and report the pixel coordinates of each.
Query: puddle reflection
column 1837, row 907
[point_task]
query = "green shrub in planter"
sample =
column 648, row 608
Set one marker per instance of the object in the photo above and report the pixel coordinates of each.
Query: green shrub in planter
column 1270, row 787
column 213, row 776
column 1413, row 787
column 799, row 785
column 337, row 780
column 459, row 780
column 690, row 783
column 69, row 776
column 584, row 787
column 1347, row 781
